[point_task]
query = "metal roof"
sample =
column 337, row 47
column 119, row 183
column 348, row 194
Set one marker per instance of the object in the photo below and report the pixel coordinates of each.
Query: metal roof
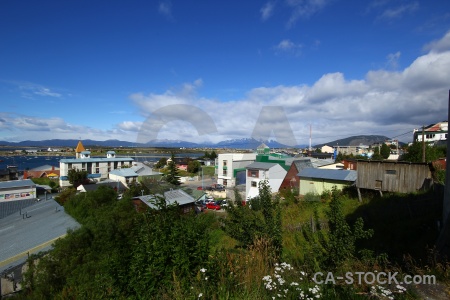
column 94, row 175
column 301, row 164
column 261, row 165
column 35, row 231
column 127, row 172
column 16, row 183
column 95, row 159
column 172, row 196
column 45, row 168
column 13, row 206
column 343, row 175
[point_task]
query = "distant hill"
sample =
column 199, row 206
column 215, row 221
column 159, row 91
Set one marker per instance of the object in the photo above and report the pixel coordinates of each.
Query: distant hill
column 356, row 141
column 245, row 143
column 248, row 143
column 68, row 143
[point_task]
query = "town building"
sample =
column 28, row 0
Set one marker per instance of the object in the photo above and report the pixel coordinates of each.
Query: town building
column 42, row 172
column 10, row 173
column 17, row 190
column 185, row 201
column 432, row 133
column 291, row 180
column 316, row 181
column 256, row 172
column 230, row 168
column 98, row 168
column 388, row 176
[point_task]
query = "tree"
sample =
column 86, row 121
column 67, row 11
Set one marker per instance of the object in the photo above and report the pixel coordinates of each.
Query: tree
column 261, row 221
column 414, row 153
column 341, row 237
column 385, row 151
column 193, row 166
column 213, row 155
column 169, row 245
column 161, row 163
column 77, row 177
column 376, row 154
column 172, row 177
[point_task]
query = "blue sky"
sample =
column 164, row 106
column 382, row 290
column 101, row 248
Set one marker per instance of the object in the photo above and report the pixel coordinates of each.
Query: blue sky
column 204, row 70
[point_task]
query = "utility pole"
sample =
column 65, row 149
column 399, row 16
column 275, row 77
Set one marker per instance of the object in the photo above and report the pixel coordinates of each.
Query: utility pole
column 310, row 149
column 423, row 143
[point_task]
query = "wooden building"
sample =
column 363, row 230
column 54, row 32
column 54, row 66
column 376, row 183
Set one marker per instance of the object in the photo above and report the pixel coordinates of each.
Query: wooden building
column 388, row 176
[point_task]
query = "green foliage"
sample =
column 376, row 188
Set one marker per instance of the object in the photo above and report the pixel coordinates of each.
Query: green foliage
column 193, row 166
column 162, row 162
column 385, row 151
column 65, row 195
column 261, row 219
column 311, row 197
column 93, row 261
column 210, row 155
column 341, row 238
column 169, row 245
column 432, row 153
column 77, row 177
column 172, row 176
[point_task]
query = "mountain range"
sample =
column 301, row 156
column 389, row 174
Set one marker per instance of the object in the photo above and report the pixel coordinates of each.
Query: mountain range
column 244, row 143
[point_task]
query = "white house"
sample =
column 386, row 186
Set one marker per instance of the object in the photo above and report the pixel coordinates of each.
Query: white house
column 230, row 168
column 433, row 133
column 260, row 171
column 98, row 168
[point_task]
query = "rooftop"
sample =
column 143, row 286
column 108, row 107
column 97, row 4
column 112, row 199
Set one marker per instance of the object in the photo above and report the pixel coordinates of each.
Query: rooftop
column 16, row 183
column 261, row 165
column 34, row 231
column 343, row 175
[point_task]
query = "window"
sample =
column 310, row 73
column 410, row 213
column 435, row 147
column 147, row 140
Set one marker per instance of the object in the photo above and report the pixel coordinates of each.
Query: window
column 69, row 166
column 391, row 172
column 224, row 172
column 97, row 170
column 224, row 163
column 253, row 173
column 225, row 182
column 254, row 184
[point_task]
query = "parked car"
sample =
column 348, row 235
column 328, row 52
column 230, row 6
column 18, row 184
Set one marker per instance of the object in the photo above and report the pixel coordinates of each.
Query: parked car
column 201, row 203
column 213, row 205
column 199, row 188
column 223, row 203
column 215, row 187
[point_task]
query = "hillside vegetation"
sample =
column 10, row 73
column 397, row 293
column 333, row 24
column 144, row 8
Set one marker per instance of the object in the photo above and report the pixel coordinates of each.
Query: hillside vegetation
column 271, row 250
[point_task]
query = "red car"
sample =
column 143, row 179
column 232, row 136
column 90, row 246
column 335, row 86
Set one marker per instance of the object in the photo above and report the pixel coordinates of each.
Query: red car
column 212, row 205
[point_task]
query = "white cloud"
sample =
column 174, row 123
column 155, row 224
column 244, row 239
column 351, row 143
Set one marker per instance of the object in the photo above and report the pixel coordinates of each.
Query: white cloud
column 385, row 102
column 304, row 9
column 392, row 60
column 130, row 126
column 439, row 46
column 267, row 10
column 287, row 46
column 165, row 8
column 397, row 12
column 29, row 90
